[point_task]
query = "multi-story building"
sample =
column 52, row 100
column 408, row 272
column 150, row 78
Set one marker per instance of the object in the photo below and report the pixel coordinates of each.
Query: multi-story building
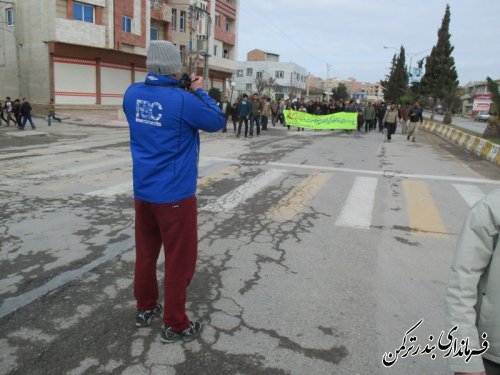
column 206, row 32
column 90, row 51
column 265, row 73
column 315, row 87
column 477, row 98
column 362, row 91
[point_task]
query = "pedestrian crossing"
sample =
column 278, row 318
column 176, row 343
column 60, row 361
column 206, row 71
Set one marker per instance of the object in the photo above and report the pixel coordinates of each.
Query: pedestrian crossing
column 358, row 208
column 226, row 186
column 243, row 192
column 295, row 201
column 470, row 193
column 422, row 209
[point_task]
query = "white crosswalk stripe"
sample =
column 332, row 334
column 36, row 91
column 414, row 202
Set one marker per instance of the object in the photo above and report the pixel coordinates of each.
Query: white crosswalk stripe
column 358, row 207
column 470, row 193
column 243, row 192
column 118, row 162
column 112, row 190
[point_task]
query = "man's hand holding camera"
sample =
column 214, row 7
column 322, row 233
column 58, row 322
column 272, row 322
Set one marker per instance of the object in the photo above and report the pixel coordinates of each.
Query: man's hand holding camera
column 197, row 82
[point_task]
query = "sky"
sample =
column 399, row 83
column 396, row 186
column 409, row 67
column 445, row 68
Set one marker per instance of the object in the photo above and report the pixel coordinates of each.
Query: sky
column 349, row 35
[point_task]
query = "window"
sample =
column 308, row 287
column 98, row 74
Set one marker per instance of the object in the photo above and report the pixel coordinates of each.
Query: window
column 126, row 24
column 83, row 12
column 182, row 21
column 153, row 33
column 239, row 73
column 173, row 24
column 215, row 50
column 217, row 20
column 249, row 87
column 227, row 26
column 10, row 16
column 249, row 71
column 280, row 74
column 259, row 75
column 226, row 54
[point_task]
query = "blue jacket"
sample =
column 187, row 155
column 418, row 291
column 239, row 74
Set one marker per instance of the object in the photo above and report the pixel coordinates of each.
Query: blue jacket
column 164, row 121
column 244, row 109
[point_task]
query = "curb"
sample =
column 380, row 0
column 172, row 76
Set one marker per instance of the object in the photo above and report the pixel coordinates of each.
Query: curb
column 477, row 145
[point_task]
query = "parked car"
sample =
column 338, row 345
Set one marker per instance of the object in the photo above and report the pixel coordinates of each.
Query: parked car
column 440, row 110
column 482, row 116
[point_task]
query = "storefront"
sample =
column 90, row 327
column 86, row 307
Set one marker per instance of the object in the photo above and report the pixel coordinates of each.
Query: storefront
column 85, row 75
column 481, row 103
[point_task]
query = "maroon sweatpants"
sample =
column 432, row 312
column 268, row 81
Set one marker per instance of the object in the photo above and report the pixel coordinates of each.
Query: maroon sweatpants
column 173, row 225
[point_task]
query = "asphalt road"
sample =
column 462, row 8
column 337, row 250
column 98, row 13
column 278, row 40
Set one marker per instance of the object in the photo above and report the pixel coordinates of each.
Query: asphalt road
column 317, row 252
column 463, row 122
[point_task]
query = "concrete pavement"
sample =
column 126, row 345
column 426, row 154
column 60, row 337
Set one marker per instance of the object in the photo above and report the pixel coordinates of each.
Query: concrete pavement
column 101, row 117
column 285, row 283
column 115, row 118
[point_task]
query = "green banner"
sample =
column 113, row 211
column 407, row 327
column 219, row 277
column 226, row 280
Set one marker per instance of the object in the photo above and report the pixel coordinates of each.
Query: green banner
column 340, row 120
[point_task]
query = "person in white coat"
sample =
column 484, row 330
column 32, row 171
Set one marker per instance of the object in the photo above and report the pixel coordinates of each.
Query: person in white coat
column 473, row 295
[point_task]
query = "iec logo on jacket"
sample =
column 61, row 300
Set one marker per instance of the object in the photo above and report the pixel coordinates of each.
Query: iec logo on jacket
column 164, row 121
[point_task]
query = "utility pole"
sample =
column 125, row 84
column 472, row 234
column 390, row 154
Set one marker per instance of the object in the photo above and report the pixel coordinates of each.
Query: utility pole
column 210, row 14
column 328, row 67
column 200, row 12
column 307, row 85
column 189, row 62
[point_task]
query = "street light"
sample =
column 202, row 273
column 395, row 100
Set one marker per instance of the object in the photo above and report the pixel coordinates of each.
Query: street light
column 231, row 95
column 411, row 56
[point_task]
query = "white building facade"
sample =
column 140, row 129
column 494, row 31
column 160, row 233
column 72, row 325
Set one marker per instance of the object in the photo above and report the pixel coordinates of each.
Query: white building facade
column 288, row 80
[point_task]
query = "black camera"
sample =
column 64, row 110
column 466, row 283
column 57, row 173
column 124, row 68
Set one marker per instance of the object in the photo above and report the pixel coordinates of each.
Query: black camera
column 185, row 82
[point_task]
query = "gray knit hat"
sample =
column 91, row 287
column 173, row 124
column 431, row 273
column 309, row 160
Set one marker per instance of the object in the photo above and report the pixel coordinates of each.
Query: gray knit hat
column 163, row 58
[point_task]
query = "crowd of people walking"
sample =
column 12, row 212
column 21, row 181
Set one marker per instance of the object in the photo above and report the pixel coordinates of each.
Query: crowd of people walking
column 250, row 116
column 18, row 113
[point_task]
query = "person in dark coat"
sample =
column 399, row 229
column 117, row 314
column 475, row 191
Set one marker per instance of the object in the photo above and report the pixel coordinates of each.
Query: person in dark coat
column 26, row 113
column 234, row 115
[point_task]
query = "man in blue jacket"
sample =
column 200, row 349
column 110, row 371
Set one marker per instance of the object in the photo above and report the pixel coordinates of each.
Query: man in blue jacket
column 164, row 120
column 244, row 112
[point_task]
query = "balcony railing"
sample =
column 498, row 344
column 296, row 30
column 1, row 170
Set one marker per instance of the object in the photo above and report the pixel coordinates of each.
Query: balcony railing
column 221, row 64
column 81, row 33
column 225, row 36
column 163, row 13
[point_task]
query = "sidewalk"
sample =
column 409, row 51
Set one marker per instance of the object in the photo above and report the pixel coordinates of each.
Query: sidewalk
column 100, row 117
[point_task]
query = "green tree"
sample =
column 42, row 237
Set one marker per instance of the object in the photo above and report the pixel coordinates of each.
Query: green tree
column 340, row 92
column 386, row 82
column 396, row 83
column 440, row 80
column 493, row 128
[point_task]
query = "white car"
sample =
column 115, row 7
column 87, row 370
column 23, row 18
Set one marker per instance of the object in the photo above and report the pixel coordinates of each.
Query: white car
column 482, row 116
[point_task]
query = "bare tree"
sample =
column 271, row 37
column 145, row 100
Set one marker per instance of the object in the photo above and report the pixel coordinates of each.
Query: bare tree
column 271, row 84
column 264, row 86
column 260, row 85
